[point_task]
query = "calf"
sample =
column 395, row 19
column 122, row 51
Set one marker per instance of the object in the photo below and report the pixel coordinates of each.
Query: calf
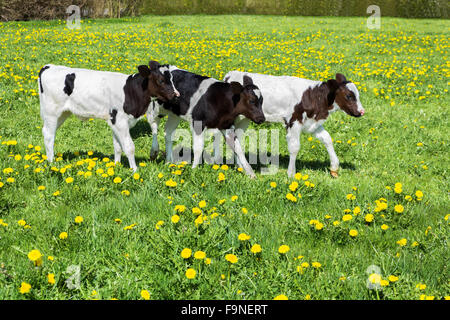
column 303, row 105
column 118, row 98
column 210, row 103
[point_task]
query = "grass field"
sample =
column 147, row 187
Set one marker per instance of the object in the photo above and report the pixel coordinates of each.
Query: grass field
column 392, row 187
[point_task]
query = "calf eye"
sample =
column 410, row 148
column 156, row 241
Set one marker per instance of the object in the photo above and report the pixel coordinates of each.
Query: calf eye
column 349, row 97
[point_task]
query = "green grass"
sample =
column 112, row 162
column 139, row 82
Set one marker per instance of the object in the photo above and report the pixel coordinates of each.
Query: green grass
column 406, row 62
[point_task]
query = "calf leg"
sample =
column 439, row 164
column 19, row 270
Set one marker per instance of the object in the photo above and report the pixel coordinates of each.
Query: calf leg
column 198, row 146
column 233, row 142
column 293, row 142
column 121, row 130
column 117, row 148
column 153, row 120
column 241, row 125
column 51, row 124
column 325, row 138
column 171, row 125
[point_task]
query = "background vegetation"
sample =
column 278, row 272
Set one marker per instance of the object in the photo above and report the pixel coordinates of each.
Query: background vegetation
column 55, row 9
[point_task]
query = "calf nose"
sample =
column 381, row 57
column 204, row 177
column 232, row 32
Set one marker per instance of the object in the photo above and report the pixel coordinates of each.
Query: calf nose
column 362, row 112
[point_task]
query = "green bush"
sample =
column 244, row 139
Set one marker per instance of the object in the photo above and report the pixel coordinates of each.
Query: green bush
column 392, row 8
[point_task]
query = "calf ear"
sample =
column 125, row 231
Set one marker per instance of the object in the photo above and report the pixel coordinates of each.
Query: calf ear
column 236, row 87
column 340, row 78
column 144, row 71
column 333, row 84
column 154, row 65
column 247, row 81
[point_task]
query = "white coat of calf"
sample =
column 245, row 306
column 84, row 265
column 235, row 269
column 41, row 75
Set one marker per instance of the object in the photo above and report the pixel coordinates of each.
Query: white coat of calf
column 117, row 98
column 302, row 105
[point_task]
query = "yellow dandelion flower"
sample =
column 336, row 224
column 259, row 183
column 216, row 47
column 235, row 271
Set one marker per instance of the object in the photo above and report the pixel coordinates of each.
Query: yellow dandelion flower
column 170, row 183
column 393, row 278
column 79, row 219
column 145, row 294
column 180, row 208
column 231, row 258
column 175, row 218
column 243, row 237
column 353, row 233
column 199, row 255
column 117, row 180
column 256, row 248
column 186, row 253
column 35, row 256
column 191, row 273
column 283, row 249
column 24, row 288
column 347, row 217
column 51, row 278
column 375, row 278
column 293, row 186
column 69, row 180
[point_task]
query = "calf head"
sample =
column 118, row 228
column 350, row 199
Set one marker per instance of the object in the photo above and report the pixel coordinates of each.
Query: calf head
column 158, row 81
column 250, row 100
column 345, row 95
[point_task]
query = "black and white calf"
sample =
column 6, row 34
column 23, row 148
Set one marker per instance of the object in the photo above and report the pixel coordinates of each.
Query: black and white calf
column 207, row 103
column 303, row 105
column 118, row 98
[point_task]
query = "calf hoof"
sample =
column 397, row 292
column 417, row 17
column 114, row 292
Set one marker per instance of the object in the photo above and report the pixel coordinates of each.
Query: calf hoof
column 334, row 173
column 153, row 155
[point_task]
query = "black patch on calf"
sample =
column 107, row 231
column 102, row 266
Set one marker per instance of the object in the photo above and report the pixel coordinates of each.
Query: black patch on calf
column 216, row 108
column 137, row 99
column 187, row 83
column 113, row 114
column 69, row 83
column 145, row 84
column 40, row 73
column 316, row 101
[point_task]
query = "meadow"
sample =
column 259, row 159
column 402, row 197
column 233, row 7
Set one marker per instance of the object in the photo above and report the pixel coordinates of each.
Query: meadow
column 379, row 231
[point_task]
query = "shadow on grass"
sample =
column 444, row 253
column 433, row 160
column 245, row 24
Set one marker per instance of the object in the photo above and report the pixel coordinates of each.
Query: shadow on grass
column 143, row 129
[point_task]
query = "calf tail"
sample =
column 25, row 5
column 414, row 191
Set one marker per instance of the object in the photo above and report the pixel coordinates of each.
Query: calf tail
column 41, row 89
